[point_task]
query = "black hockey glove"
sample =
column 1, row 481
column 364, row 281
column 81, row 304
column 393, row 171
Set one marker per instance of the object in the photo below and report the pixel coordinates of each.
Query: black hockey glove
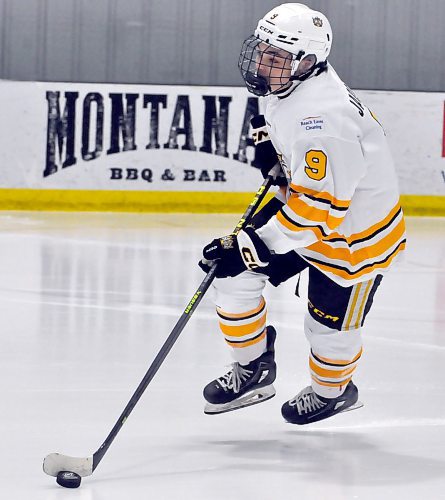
column 266, row 213
column 265, row 155
column 284, row 266
column 236, row 254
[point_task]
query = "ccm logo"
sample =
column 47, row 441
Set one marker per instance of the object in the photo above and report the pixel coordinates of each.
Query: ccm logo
column 260, row 136
column 267, row 30
column 322, row 314
column 249, row 259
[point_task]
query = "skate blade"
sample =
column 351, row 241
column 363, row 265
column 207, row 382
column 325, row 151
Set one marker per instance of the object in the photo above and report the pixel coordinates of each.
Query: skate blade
column 251, row 398
column 355, row 406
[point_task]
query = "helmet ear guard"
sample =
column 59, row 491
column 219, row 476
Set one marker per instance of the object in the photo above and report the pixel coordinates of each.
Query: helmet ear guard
column 296, row 61
column 315, row 67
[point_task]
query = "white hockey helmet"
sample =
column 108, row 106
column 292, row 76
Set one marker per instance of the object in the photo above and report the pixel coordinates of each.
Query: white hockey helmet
column 293, row 31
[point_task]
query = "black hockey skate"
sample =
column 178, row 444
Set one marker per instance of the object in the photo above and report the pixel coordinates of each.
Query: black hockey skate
column 244, row 385
column 308, row 407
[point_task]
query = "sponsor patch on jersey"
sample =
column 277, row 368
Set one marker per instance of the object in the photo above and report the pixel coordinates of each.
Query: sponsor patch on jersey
column 312, row 123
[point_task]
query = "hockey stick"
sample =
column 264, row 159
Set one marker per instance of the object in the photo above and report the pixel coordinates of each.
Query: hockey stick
column 56, row 462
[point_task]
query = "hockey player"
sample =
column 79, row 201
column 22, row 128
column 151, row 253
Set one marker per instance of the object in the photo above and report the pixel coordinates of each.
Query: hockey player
column 336, row 213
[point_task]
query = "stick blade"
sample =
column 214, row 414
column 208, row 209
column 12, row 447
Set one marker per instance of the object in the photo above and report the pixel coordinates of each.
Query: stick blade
column 56, row 462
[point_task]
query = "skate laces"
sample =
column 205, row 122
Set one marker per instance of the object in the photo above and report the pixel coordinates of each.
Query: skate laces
column 235, row 377
column 307, row 401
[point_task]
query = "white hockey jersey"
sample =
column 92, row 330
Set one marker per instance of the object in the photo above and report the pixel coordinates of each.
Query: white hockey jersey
column 342, row 213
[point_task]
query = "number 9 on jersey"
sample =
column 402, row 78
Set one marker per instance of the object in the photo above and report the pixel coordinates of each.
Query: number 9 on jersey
column 316, row 162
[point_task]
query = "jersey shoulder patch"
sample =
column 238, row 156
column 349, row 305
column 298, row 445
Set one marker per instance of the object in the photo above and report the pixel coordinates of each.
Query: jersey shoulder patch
column 309, row 123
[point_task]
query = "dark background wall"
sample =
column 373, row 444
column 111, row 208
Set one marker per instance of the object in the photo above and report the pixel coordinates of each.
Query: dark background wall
column 378, row 44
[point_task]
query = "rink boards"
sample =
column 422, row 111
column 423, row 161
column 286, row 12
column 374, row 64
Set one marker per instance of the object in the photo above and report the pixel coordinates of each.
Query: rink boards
column 102, row 147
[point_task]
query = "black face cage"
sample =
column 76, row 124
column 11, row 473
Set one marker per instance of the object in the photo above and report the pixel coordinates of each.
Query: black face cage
column 257, row 61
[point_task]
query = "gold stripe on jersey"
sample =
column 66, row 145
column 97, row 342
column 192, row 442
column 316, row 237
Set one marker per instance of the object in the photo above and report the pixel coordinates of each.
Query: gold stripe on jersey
column 333, row 252
column 290, row 224
column 347, row 274
column 313, row 214
column 374, row 251
column 370, row 232
column 321, row 235
column 387, row 238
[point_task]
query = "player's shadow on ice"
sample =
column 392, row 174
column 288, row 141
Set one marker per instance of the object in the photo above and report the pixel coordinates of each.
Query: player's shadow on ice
column 329, row 457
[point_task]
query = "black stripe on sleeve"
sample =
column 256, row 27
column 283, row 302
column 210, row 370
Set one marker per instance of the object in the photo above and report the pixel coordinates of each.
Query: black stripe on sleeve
column 283, row 213
column 321, row 200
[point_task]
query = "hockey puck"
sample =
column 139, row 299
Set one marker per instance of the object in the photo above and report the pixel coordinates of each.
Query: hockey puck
column 68, row 479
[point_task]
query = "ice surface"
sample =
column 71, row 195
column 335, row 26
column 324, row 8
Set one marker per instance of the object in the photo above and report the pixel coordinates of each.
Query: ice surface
column 86, row 301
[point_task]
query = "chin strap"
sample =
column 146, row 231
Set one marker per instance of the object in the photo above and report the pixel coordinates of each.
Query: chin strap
column 316, row 70
column 258, row 84
column 287, row 90
column 295, row 81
